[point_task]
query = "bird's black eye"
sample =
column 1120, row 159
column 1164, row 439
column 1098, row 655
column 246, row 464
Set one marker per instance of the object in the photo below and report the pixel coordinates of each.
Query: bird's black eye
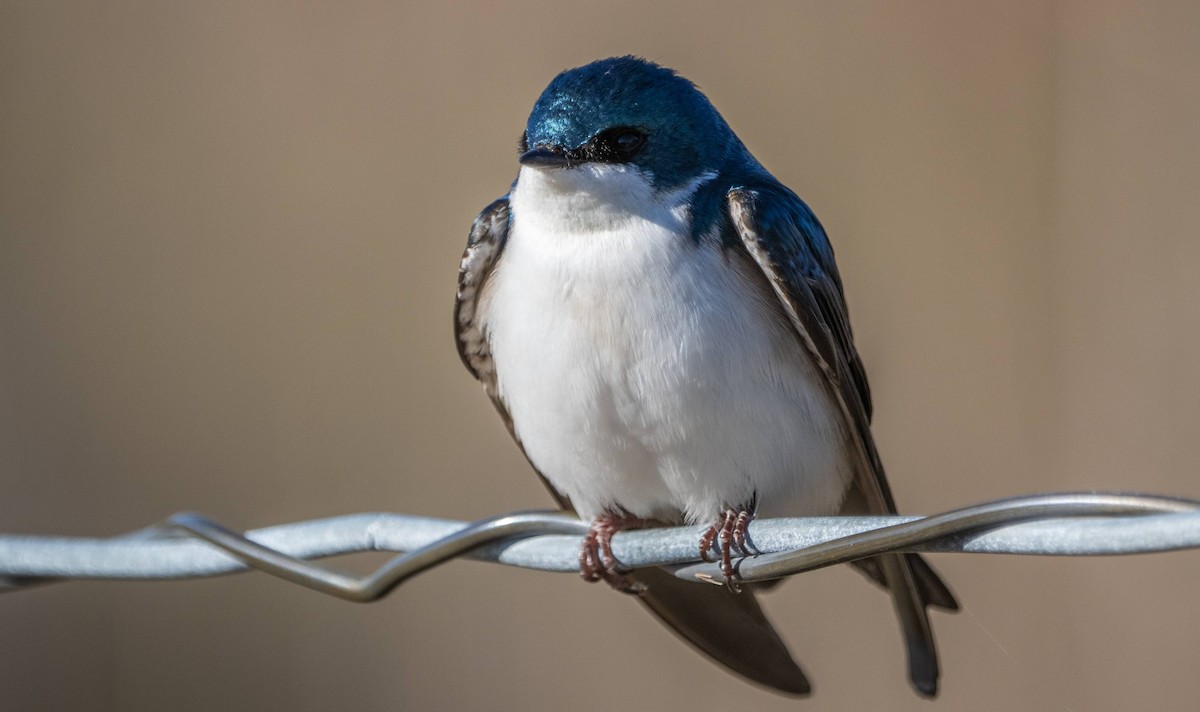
column 628, row 141
column 523, row 142
column 618, row 145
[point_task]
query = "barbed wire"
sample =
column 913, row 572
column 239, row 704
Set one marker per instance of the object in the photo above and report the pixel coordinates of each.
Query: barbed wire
column 191, row 545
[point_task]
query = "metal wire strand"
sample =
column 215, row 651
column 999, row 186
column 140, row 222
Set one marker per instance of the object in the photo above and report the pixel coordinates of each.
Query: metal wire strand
column 394, row 572
column 191, row 545
column 910, row 536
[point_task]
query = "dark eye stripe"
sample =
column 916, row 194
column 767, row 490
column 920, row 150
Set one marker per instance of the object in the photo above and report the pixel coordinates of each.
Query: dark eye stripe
column 619, row 144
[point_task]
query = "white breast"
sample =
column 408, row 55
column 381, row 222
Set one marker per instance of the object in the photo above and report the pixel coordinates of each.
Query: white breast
column 643, row 370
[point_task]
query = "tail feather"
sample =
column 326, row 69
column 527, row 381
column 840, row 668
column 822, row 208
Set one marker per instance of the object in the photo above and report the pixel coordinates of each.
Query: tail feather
column 923, row 670
column 913, row 583
column 730, row 628
column 914, row 586
column 934, row 591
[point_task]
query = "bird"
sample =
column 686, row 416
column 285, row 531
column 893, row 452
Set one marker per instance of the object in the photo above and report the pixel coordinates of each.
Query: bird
column 661, row 325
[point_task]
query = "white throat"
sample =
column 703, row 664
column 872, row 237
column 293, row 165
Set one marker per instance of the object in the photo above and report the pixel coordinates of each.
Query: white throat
column 598, row 197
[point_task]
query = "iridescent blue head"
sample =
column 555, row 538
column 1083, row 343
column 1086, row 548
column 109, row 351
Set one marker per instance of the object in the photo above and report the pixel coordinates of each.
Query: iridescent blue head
column 626, row 110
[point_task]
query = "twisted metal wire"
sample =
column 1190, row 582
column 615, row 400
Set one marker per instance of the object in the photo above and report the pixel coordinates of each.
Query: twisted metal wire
column 191, row 545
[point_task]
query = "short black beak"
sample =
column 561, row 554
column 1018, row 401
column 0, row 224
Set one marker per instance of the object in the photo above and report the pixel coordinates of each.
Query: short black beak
column 546, row 157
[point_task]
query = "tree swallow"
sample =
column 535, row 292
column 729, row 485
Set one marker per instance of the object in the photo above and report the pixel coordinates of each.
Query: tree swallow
column 661, row 325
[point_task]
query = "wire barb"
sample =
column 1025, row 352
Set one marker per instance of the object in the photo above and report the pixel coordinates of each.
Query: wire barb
column 190, row 545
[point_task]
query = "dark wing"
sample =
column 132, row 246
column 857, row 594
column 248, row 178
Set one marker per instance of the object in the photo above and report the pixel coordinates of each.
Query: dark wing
column 730, row 628
column 784, row 238
column 489, row 233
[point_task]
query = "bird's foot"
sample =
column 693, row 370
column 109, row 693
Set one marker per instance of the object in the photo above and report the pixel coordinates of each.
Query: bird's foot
column 729, row 535
column 596, row 559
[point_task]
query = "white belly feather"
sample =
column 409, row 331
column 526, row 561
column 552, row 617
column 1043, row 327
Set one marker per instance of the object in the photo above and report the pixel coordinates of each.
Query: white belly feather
column 641, row 369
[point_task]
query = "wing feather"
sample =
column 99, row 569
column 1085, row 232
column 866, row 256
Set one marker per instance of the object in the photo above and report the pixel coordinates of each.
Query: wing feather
column 790, row 247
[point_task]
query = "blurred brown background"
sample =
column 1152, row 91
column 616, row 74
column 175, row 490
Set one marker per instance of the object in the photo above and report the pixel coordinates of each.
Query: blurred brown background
column 229, row 235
